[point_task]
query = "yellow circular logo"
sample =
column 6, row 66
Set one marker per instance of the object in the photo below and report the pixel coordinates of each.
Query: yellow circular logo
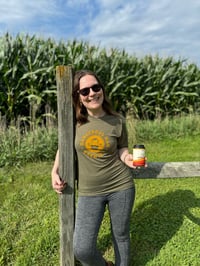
column 95, row 143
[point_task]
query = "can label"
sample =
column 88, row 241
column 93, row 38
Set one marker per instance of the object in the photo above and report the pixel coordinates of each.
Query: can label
column 139, row 155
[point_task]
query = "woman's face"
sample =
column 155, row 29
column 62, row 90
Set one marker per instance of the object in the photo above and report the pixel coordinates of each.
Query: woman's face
column 92, row 95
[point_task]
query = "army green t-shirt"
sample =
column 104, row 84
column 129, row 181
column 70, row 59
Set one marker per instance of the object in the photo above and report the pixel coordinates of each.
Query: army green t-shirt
column 97, row 143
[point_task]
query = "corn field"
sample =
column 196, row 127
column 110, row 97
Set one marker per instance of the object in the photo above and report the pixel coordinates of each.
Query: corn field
column 145, row 88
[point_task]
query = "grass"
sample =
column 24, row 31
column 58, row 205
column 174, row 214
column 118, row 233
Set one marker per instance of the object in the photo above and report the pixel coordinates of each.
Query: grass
column 167, row 228
column 29, row 224
column 165, row 223
column 17, row 148
column 177, row 150
column 174, row 140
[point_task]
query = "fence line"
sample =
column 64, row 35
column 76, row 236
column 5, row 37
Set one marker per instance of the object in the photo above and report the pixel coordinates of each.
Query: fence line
column 168, row 170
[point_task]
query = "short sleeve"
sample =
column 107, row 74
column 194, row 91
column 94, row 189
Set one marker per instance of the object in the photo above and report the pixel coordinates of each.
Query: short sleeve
column 123, row 138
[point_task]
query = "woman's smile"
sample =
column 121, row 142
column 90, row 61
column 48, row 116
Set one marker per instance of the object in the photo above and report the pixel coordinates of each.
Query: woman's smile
column 93, row 101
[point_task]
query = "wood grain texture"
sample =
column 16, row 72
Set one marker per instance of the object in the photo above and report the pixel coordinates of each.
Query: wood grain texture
column 64, row 80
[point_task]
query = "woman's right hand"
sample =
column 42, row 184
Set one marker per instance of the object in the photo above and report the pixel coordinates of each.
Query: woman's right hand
column 57, row 183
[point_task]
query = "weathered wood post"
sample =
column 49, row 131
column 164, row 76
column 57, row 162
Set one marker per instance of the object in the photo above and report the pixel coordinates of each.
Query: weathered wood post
column 64, row 80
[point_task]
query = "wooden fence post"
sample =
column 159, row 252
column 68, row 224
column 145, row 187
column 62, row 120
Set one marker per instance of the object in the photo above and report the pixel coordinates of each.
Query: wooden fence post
column 64, row 80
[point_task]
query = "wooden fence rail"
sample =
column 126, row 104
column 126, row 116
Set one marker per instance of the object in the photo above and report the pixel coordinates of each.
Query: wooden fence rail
column 168, row 170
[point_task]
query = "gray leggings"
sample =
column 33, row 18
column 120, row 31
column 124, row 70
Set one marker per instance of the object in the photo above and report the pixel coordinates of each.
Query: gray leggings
column 89, row 215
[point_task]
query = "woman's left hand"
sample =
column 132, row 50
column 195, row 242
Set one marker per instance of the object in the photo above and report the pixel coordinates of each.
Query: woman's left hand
column 129, row 161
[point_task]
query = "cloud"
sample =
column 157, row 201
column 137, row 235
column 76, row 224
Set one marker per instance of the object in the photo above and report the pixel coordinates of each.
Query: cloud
column 165, row 27
column 16, row 11
column 45, row 18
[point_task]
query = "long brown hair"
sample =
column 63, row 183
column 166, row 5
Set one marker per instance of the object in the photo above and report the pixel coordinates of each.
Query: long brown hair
column 81, row 111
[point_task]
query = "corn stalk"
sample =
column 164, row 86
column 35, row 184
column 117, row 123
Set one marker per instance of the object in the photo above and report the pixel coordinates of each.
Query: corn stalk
column 145, row 88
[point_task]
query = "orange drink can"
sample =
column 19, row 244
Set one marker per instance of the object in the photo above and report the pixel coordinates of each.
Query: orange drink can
column 139, row 155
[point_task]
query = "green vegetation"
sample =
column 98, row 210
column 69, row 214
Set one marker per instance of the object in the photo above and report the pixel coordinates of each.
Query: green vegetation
column 179, row 138
column 164, row 226
column 176, row 139
column 166, row 218
column 161, row 99
column 146, row 88
column 165, row 223
column 29, row 217
column 18, row 148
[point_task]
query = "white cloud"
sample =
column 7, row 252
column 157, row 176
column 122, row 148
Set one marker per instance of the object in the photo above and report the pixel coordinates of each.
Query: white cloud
column 21, row 10
column 161, row 27
column 41, row 17
column 165, row 27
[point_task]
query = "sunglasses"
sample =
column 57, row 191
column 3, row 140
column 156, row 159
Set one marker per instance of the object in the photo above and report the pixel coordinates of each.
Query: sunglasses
column 86, row 91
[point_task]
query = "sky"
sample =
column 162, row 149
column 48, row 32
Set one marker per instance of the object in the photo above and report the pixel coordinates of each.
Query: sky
column 140, row 27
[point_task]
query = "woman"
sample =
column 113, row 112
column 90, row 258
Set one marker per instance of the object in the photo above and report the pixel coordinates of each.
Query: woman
column 105, row 177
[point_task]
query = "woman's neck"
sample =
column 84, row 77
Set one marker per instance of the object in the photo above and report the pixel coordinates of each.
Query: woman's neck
column 96, row 113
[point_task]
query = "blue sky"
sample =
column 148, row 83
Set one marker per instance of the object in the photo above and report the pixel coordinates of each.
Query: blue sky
column 140, row 27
